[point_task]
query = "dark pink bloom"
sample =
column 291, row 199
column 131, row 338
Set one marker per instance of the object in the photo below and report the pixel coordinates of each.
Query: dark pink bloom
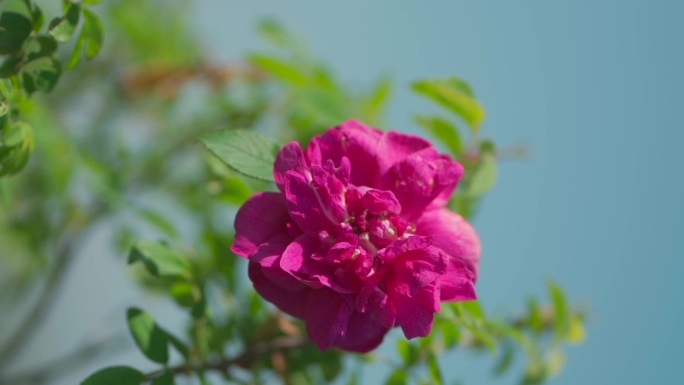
column 358, row 240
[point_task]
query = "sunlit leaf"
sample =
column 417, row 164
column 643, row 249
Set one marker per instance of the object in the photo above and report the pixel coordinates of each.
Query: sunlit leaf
column 40, row 46
column 279, row 69
column 41, row 74
column 505, row 360
column 246, row 152
column 455, row 95
column 160, row 260
column 445, row 131
column 115, row 375
column 484, row 177
column 61, row 28
column 576, row 333
column 435, row 372
column 399, row 377
column 150, row 338
column 95, row 30
column 561, row 309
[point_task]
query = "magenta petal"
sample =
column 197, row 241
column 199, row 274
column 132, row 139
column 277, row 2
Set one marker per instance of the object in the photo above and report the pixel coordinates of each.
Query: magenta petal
column 458, row 283
column 327, row 314
column 453, row 234
column 416, row 269
column 363, row 334
column 404, row 246
column 395, row 146
column 353, row 140
column 292, row 302
column 305, row 207
column 263, row 217
column 297, row 261
column 420, row 179
column 415, row 314
column 290, row 158
column 268, row 256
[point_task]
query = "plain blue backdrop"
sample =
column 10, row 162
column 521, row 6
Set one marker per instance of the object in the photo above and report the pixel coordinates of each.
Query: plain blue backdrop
column 594, row 88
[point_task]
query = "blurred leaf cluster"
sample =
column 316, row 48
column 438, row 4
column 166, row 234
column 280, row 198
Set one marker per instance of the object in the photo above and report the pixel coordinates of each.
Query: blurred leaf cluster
column 119, row 152
column 31, row 62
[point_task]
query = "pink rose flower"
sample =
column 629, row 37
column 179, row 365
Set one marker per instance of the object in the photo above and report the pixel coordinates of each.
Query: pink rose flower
column 359, row 240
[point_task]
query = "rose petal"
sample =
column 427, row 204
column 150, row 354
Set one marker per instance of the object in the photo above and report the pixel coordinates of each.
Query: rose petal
column 292, row 302
column 362, row 335
column 395, row 147
column 416, row 269
column 327, row 314
column 305, row 206
column 353, row 140
column 415, row 314
column 290, row 158
column 458, row 284
column 453, row 234
column 420, row 178
column 263, row 217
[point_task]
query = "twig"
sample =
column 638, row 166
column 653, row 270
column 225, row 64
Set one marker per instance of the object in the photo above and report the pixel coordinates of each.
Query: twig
column 61, row 365
column 244, row 360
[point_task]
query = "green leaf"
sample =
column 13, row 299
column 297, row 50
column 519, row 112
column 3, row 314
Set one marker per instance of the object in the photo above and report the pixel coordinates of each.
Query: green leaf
column 61, row 28
column 274, row 32
column 4, row 115
column 484, row 176
column 445, row 131
column 279, row 69
column 11, row 66
column 160, row 260
column 41, row 74
column 15, row 28
column 179, row 345
column 165, row 379
column 16, row 134
column 40, row 46
column 576, row 333
column 158, row 221
column 561, row 309
column 92, row 2
column 435, row 372
column 534, row 316
column 38, row 18
column 15, row 148
column 150, row 338
column 451, row 333
column 555, row 362
column 408, row 352
column 115, row 375
column 505, row 361
column 379, row 96
column 78, row 50
column 93, row 26
column 455, row 95
column 399, row 377
column 184, row 294
column 246, row 152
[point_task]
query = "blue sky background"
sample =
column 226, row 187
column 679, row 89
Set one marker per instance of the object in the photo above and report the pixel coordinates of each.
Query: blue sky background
column 594, row 88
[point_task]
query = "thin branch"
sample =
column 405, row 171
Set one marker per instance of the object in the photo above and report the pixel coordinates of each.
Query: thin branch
column 36, row 315
column 244, row 360
column 63, row 364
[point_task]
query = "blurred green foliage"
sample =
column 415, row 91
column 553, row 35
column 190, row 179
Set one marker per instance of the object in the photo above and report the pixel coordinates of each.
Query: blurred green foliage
column 117, row 144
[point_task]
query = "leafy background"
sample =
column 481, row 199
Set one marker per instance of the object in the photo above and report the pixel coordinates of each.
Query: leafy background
column 592, row 88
